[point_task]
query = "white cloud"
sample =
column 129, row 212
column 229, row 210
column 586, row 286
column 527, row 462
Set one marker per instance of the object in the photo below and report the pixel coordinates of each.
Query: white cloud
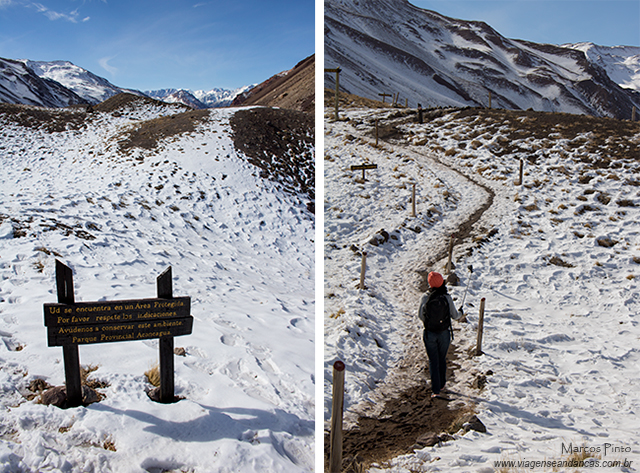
column 104, row 63
column 53, row 15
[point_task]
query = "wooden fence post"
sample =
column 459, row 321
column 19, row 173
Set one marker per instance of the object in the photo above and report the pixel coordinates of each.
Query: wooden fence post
column 376, row 132
column 521, row 173
column 633, row 114
column 384, row 96
column 480, row 328
column 413, row 201
column 448, row 267
column 165, row 291
column 363, row 269
column 64, row 284
column 337, row 407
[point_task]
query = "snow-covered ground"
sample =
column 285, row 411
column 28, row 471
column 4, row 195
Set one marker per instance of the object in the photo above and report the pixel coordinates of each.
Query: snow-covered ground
column 242, row 249
column 561, row 331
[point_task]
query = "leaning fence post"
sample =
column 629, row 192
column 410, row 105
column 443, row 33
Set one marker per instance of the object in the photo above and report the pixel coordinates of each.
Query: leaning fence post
column 480, row 328
column 448, row 268
column 363, row 269
column 413, row 201
column 521, row 172
column 337, row 404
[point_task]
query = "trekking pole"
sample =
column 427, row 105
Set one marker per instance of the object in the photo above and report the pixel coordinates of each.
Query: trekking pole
column 467, row 288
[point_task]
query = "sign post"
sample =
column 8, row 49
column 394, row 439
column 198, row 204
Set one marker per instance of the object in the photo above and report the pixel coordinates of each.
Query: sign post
column 64, row 283
column 363, row 167
column 165, row 291
column 70, row 324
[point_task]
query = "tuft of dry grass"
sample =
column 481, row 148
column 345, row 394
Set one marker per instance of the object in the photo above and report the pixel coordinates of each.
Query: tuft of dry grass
column 153, row 376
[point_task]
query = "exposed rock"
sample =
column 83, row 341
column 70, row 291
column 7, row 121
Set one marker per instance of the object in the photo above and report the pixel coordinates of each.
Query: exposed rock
column 379, row 238
column 473, row 423
column 57, row 396
column 606, row 241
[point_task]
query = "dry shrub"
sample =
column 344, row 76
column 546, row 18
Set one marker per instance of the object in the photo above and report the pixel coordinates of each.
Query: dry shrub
column 153, row 375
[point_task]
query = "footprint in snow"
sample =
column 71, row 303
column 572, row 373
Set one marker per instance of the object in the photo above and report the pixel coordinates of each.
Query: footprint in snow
column 231, row 340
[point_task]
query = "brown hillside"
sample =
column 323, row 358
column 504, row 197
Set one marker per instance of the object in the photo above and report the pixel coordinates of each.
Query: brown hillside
column 293, row 90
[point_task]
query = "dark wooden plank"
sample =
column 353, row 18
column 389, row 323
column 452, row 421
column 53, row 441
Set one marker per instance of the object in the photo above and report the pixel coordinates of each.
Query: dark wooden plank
column 72, row 375
column 358, row 167
column 166, row 370
column 71, row 356
column 91, row 313
column 118, row 332
column 64, row 283
column 165, row 285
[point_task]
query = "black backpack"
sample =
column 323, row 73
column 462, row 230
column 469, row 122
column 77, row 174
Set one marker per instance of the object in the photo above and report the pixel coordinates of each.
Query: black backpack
column 437, row 316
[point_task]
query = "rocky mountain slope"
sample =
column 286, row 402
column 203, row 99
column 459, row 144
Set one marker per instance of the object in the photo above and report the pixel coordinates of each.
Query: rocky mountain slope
column 20, row 84
column 293, row 89
column 92, row 88
column 391, row 46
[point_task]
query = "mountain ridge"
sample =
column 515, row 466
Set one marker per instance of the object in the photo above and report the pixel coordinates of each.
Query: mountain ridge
column 61, row 83
column 392, row 46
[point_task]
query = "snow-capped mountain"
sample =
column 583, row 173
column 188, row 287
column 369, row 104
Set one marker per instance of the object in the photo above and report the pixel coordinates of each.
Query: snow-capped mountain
column 391, row 46
column 199, row 98
column 20, row 84
column 622, row 63
column 220, row 97
column 62, row 83
column 92, row 88
column 176, row 96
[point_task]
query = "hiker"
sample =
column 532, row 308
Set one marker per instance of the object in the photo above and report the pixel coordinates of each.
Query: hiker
column 436, row 311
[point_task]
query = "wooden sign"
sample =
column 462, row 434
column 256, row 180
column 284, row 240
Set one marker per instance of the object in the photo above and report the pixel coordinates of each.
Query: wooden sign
column 115, row 321
column 71, row 323
column 358, row 167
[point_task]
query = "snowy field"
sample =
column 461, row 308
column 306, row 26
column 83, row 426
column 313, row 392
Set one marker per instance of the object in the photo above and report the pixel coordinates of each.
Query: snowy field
column 242, row 249
column 557, row 260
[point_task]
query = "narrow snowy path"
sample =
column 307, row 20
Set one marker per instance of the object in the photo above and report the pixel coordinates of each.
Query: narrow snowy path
column 447, row 203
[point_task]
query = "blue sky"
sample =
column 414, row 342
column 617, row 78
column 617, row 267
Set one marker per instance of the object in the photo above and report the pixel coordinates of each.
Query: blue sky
column 147, row 45
column 604, row 22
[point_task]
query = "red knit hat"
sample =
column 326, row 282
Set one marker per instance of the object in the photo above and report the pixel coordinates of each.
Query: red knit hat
column 435, row 279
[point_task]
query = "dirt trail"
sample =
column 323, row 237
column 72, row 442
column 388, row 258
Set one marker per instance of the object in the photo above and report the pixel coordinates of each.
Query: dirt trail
column 409, row 413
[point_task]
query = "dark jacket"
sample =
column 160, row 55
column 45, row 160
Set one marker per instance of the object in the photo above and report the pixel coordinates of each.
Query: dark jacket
column 455, row 315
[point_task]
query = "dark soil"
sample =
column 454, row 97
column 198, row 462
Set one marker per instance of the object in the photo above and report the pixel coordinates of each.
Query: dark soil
column 52, row 120
column 609, row 137
column 279, row 142
column 396, row 431
column 150, row 132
